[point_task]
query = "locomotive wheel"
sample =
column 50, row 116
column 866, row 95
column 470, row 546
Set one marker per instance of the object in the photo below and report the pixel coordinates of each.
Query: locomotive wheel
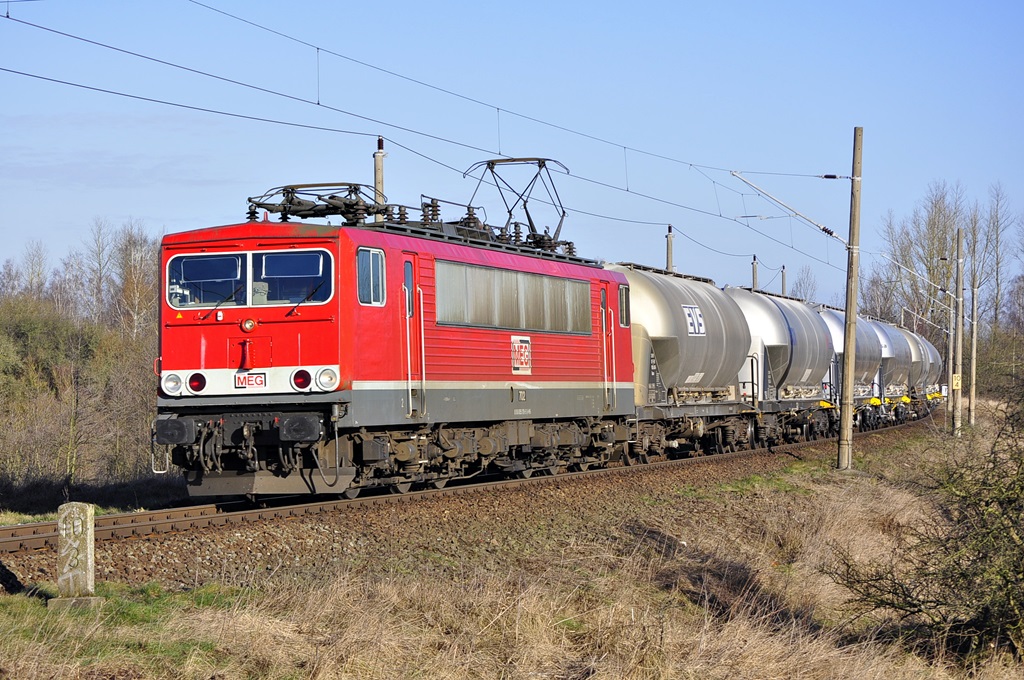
column 351, row 493
column 439, row 483
column 525, row 473
column 400, row 488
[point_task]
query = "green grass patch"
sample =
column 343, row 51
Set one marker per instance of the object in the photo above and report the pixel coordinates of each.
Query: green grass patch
column 807, row 467
column 691, row 492
column 11, row 518
column 571, row 624
column 129, row 630
column 760, row 484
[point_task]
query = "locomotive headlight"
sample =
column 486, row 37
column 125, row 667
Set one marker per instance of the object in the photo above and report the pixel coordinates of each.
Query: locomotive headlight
column 249, row 325
column 327, row 378
column 172, row 383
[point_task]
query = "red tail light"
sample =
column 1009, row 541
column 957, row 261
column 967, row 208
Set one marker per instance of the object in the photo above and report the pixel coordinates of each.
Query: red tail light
column 197, row 382
column 302, row 379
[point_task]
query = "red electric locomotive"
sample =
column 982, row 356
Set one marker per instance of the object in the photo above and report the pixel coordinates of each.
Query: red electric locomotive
column 302, row 358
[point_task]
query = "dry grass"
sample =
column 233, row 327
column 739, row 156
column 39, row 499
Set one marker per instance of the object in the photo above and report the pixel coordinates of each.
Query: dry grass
column 717, row 582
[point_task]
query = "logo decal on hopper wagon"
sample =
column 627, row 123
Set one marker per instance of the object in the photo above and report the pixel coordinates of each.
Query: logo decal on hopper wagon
column 250, row 381
column 522, row 356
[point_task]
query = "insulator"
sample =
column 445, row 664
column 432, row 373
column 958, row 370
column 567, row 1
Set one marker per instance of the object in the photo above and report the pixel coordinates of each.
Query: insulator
column 403, row 214
column 251, row 214
column 359, row 211
column 389, row 213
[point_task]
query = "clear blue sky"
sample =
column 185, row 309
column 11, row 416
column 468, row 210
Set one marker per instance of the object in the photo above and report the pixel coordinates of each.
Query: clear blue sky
column 648, row 104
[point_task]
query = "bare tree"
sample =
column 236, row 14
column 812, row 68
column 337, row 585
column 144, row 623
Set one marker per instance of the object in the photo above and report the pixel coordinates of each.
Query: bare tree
column 805, row 286
column 921, row 248
column 999, row 221
column 878, row 294
column 35, row 270
column 10, row 279
column 136, row 294
column 98, row 264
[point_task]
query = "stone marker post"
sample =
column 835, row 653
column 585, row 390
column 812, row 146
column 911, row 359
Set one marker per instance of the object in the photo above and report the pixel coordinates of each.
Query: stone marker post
column 76, row 558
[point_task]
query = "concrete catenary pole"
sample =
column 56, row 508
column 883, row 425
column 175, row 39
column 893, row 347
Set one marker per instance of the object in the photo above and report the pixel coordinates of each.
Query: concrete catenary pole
column 958, row 375
column 845, row 457
column 950, row 334
column 974, row 356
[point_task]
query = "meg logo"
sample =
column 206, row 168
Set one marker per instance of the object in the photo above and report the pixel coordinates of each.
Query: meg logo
column 250, row 381
column 522, row 355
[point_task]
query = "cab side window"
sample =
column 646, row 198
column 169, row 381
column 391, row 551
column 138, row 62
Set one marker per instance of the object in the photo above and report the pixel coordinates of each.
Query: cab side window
column 624, row 306
column 370, row 276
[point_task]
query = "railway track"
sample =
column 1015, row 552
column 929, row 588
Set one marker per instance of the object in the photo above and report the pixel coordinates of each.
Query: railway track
column 41, row 535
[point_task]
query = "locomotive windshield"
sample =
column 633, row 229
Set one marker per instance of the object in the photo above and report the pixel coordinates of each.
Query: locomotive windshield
column 283, row 278
column 205, row 280
column 250, row 279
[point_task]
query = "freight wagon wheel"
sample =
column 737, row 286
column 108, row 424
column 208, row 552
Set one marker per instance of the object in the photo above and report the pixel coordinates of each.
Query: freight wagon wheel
column 555, row 469
column 351, row 493
column 439, row 483
column 525, row 473
column 400, row 488
column 719, row 442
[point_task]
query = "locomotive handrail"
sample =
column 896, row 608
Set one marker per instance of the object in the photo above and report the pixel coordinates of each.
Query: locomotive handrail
column 408, row 353
column 755, row 387
column 604, row 349
column 615, row 380
column 423, row 355
column 152, row 457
